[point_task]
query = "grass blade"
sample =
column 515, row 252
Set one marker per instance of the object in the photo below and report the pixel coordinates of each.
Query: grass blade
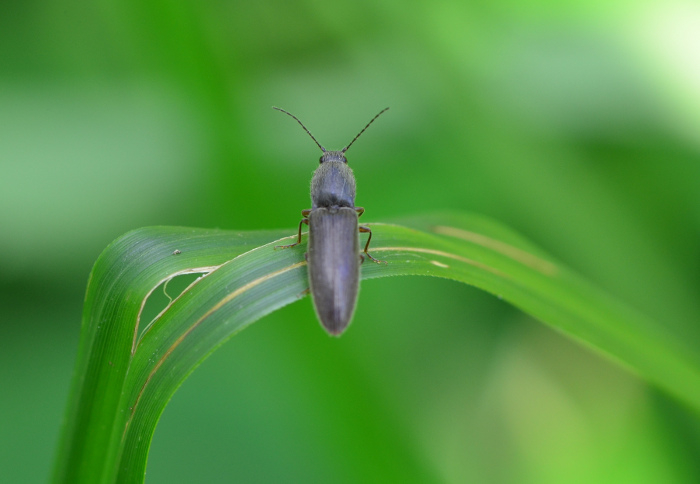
column 128, row 370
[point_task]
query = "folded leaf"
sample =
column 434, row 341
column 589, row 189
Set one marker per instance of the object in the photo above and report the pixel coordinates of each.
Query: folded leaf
column 128, row 369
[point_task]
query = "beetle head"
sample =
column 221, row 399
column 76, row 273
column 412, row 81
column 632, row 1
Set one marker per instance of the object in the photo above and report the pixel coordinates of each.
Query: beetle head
column 333, row 156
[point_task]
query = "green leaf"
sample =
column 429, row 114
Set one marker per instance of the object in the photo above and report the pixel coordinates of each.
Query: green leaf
column 128, row 369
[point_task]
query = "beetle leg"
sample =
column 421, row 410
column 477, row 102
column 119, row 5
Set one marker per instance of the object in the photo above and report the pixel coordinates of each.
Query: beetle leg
column 360, row 211
column 364, row 229
column 303, row 221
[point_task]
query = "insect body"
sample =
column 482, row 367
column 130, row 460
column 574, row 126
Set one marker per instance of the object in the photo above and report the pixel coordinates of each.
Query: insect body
column 334, row 255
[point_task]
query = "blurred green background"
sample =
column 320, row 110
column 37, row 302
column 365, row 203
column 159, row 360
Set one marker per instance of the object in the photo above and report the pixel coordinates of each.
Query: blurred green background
column 575, row 123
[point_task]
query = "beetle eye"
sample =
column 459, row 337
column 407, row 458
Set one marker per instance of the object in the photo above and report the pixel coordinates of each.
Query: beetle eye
column 320, row 160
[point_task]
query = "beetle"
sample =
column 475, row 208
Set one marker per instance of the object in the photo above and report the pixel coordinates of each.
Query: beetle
column 333, row 255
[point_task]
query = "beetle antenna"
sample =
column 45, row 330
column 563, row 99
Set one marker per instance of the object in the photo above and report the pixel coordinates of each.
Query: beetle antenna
column 302, row 125
column 363, row 130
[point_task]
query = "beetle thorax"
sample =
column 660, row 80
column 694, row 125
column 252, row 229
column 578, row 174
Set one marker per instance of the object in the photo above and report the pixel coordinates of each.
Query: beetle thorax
column 333, row 184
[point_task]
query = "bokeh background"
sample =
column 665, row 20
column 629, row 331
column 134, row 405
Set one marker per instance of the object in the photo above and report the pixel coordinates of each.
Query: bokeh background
column 576, row 123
